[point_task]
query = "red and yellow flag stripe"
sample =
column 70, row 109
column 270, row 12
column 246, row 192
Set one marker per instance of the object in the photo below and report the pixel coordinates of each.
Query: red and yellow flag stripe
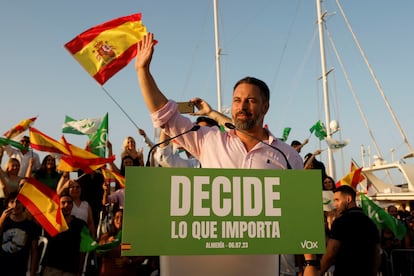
column 44, row 205
column 105, row 49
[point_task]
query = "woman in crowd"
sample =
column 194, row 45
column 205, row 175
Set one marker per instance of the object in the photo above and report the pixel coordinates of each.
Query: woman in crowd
column 10, row 181
column 129, row 149
column 112, row 261
column 47, row 173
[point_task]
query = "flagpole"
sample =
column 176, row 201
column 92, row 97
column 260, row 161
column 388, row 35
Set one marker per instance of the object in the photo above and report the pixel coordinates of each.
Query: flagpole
column 120, row 107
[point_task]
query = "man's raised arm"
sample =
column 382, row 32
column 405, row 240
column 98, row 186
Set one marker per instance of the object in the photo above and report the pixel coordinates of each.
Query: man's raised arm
column 153, row 97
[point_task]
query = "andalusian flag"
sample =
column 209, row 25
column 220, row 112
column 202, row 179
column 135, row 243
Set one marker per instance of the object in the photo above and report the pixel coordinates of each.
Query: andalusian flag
column 81, row 127
column 44, row 205
column 19, row 128
column 286, row 132
column 97, row 140
column 5, row 141
column 95, row 128
column 334, row 144
column 382, row 218
column 88, row 244
column 319, row 129
column 105, row 49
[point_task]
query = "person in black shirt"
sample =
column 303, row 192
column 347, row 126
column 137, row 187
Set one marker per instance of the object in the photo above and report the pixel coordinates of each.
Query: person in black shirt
column 354, row 243
column 63, row 256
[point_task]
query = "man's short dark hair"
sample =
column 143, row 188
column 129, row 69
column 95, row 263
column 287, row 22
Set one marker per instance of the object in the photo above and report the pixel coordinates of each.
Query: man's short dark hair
column 12, row 196
column 264, row 89
column 346, row 189
column 208, row 121
column 295, row 143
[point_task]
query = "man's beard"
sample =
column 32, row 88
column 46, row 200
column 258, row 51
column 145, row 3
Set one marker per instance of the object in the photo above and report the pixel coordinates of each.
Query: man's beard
column 245, row 124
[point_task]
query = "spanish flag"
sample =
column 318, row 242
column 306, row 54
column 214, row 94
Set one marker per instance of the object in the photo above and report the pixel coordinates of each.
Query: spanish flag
column 105, row 49
column 19, row 128
column 352, row 178
column 44, row 205
column 73, row 157
column 111, row 175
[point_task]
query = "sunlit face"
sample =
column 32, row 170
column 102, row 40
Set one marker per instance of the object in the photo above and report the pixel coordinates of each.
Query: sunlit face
column 66, row 205
column 248, row 108
column 130, row 144
column 14, row 167
column 118, row 219
column 328, row 184
column 128, row 162
column 18, row 208
column 25, row 142
column 393, row 211
column 50, row 162
column 341, row 201
column 74, row 189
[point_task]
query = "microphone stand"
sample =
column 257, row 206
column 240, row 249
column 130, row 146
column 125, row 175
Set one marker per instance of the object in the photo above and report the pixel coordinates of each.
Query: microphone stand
column 231, row 126
column 148, row 163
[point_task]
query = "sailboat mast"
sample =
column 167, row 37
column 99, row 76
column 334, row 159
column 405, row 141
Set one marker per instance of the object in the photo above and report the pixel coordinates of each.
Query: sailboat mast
column 331, row 170
column 218, row 50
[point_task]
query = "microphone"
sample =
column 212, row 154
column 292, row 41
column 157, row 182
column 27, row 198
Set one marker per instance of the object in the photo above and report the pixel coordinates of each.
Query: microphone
column 194, row 128
column 231, row 126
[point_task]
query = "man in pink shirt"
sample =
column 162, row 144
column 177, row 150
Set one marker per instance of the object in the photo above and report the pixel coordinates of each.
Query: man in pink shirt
column 243, row 147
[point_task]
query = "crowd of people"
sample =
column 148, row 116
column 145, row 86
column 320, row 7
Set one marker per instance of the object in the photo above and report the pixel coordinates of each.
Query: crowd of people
column 354, row 245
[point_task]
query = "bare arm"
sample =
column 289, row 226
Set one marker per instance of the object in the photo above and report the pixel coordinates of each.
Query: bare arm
column 331, row 252
column 308, row 163
column 29, row 167
column 153, row 97
column 310, row 270
column 204, row 109
column 63, row 183
column 147, row 141
column 110, row 153
column 105, row 188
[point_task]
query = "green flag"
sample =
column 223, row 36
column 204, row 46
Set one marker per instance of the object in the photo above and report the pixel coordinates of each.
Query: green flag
column 382, row 218
column 285, row 134
column 5, row 141
column 97, row 140
column 319, row 129
column 81, row 127
column 88, row 244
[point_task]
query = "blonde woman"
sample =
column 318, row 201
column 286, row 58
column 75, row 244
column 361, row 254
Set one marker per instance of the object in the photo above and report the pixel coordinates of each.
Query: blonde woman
column 129, row 148
column 10, row 181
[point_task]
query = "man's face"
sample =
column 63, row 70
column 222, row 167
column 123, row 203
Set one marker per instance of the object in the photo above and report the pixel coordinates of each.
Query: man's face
column 248, row 108
column 16, row 205
column 341, row 201
column 66, row 204
column 393, row 211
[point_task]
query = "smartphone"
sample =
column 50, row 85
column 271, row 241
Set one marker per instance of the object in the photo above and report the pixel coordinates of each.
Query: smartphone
column 185, row 107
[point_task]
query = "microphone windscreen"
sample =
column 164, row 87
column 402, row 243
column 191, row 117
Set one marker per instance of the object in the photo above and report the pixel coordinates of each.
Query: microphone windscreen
column 195, row 128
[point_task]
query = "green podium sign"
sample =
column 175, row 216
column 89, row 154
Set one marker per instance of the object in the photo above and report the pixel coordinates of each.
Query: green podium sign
column 182, row 211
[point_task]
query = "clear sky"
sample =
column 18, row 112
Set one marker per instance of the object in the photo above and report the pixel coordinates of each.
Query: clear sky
column 273, row 40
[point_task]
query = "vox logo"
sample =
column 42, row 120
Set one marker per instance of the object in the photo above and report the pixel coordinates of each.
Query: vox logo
column 309, row 244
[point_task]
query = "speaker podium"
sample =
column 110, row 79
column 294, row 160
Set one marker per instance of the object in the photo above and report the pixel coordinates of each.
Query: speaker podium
column 222, row 222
